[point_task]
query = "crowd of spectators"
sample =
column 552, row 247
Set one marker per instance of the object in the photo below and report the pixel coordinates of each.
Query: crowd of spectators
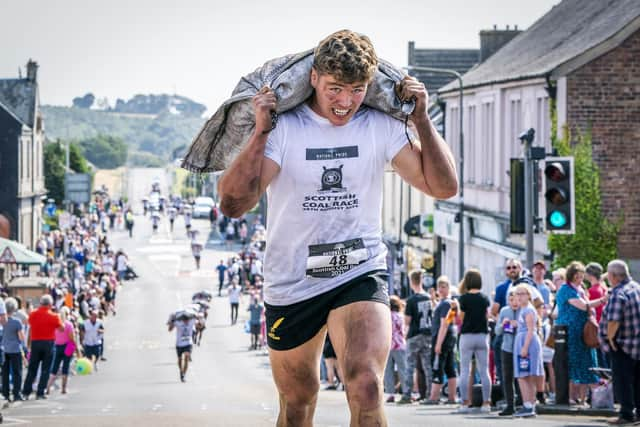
column 83, row 273
column 460, row 345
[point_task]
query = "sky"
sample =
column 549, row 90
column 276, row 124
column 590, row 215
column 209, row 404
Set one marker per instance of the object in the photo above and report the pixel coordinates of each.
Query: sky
column 201, row 48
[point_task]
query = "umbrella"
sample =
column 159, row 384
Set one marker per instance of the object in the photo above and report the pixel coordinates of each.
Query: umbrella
column 12, row 252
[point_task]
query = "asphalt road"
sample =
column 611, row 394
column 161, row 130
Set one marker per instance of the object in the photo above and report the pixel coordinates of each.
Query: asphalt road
column 227, row 385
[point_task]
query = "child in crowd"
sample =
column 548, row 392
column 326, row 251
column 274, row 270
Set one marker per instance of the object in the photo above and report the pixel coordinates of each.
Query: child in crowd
column 527, row 352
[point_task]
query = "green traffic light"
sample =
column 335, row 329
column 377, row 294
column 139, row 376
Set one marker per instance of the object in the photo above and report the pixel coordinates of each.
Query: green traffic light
column 557, row 219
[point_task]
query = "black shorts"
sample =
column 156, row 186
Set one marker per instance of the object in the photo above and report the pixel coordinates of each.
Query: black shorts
column 183, row 349
column 447, row 363
column 254, row 329
column 292, row 325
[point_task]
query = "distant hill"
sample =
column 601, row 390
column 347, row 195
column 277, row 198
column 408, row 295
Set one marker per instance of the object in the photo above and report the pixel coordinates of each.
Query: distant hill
column 143, row 104
column 151, row 137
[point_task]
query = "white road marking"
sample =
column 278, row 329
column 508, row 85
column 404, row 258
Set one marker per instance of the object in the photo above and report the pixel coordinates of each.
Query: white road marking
column 156, row 407
column 14, row 421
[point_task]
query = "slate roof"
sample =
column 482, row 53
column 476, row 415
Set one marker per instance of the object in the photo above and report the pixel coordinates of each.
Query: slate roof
column 460, row 60
column 568, row 30
column 19, row 97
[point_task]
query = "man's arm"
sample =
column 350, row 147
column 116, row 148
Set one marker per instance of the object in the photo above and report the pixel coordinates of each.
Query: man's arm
column 251, row 172
column 431, row 167
column 495, row 310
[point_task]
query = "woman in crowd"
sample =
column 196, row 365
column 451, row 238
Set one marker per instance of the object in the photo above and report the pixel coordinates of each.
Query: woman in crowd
column 331, row 363
column 574, row 309
column 474, row 338
column 65, row 348
column 597, row 289
column 527, row 351
column 398, row 353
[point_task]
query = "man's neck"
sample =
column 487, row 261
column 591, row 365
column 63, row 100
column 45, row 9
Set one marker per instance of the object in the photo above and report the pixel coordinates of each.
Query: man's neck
column 418, row 290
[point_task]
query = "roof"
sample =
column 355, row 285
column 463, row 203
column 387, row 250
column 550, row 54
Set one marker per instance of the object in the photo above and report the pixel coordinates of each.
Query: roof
column 19, row 97
column 557, row 40
column 460, row 60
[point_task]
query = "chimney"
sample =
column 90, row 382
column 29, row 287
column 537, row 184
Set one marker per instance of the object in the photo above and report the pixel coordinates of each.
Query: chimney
column 32, row 70
column 492, row 40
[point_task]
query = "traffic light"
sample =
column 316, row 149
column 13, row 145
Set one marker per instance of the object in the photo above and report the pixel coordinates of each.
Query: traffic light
column 559, row 194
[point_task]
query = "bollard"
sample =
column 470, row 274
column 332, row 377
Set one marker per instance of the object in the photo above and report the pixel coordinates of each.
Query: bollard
column 561, row 364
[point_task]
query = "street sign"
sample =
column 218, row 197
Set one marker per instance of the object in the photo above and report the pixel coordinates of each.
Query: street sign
column 7, row 256
column 77, row 187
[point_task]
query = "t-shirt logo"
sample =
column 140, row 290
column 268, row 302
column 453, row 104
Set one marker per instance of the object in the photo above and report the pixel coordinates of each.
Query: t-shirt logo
column 332, row 180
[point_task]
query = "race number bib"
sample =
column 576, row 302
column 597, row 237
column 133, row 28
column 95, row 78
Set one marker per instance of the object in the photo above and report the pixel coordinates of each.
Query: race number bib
column 332, row 259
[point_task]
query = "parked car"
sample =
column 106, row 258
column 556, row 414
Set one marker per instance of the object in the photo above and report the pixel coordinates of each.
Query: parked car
column 202, row 207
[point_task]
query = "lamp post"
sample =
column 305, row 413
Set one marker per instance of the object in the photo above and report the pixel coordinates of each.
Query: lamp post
column 461, row 162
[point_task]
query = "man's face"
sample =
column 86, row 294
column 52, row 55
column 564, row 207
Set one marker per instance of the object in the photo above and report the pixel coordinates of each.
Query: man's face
column 334, row 100
column 612, row 279
column 443, row 290
column 513, row 270
column 538, row 273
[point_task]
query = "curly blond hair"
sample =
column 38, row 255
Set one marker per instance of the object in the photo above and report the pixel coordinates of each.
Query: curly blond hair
column 347, row 56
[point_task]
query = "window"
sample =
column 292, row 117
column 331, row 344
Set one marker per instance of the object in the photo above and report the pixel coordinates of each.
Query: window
column 454, row 136
column 511, row 145
column 487, row 142
column 470, row 146
column 543, row 124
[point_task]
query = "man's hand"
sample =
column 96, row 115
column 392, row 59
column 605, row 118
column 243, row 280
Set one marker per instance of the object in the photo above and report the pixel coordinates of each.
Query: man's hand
column 410, row 88
column 264, row 103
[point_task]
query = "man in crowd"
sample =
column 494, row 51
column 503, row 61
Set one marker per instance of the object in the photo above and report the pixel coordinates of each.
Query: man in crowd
column 418, row 315
column 444, row 337
column 343, row 152
column 43, row 323
column 538, row 270
column 91, row 331
column 222, row 270
column 620, row 335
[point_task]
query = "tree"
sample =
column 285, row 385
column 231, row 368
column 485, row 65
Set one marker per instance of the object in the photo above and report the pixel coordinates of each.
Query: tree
column 54, row 161
column 54, row 165
column 105, row 151
column 84, row 102
column 596, row 237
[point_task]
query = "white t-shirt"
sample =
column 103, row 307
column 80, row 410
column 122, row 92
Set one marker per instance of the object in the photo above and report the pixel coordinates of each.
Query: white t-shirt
column 121, row 262
column 234, row 294
column 91, row 335
column 184, row 332
column 325, row 204
column 107, row 264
